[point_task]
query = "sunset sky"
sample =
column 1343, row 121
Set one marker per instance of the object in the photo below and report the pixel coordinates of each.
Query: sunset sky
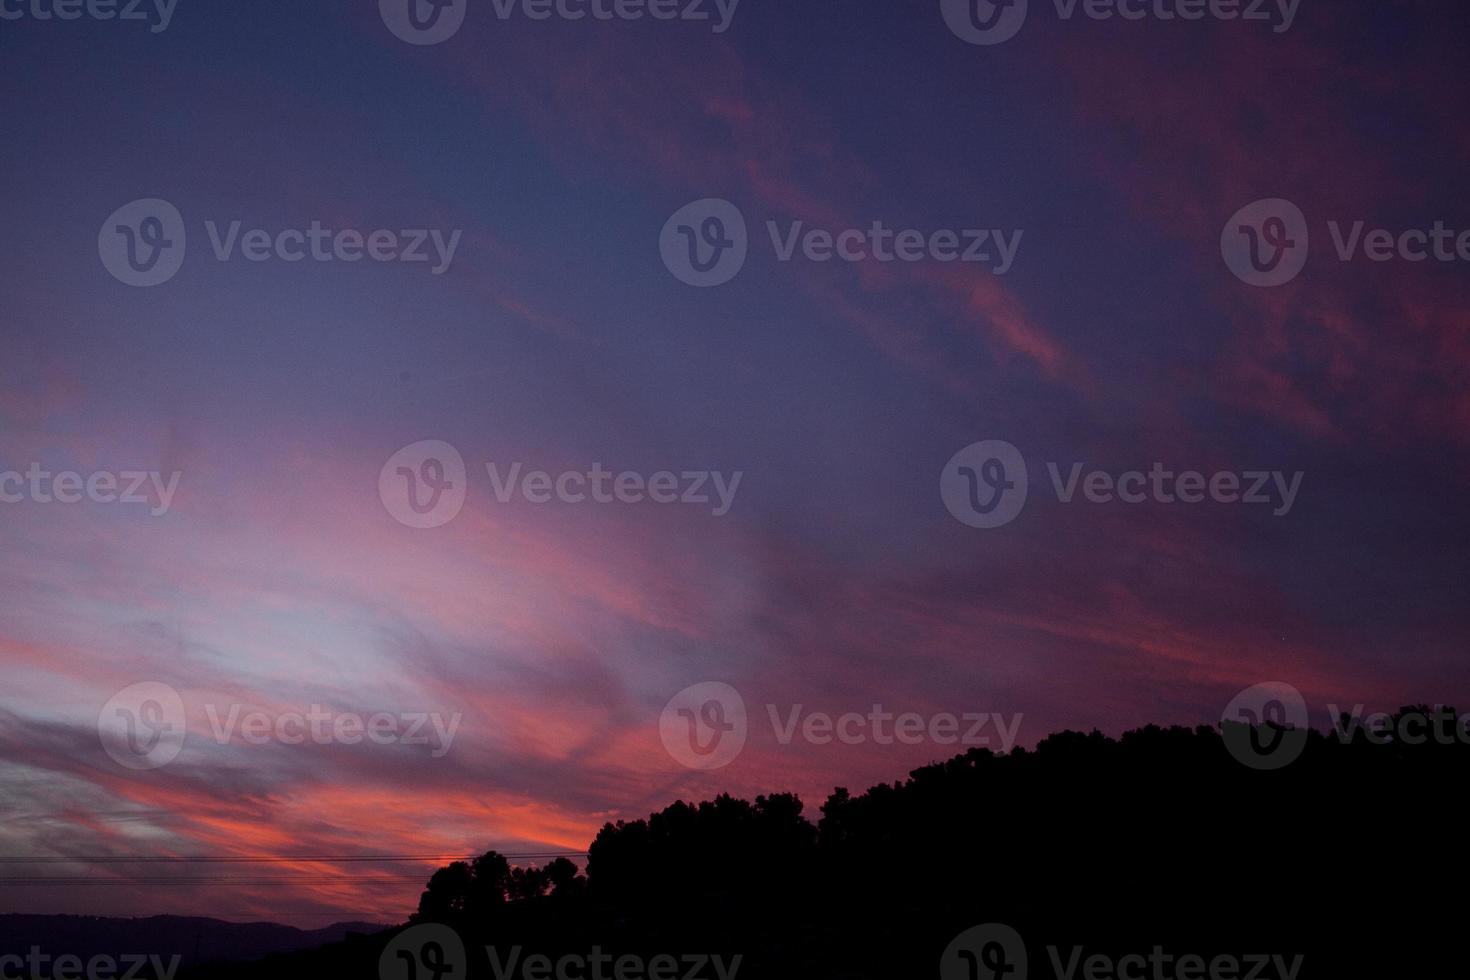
column 557, row 339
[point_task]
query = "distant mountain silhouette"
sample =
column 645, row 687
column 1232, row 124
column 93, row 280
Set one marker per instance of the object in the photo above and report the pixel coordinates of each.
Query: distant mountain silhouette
column 87, row 936
column 1346, row 863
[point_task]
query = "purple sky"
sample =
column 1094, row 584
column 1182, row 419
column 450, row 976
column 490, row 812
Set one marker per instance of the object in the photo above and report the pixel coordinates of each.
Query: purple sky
column 278, row 578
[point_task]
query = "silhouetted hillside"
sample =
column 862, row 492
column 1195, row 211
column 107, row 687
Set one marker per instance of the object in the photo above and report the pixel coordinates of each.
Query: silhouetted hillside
column 87, row 936
column 1158, row 844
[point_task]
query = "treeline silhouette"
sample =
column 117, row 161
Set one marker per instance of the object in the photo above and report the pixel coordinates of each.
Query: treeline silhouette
column 1352, row 857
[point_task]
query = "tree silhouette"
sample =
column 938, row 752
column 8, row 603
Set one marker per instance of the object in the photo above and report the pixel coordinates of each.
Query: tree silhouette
column 1351, row 856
